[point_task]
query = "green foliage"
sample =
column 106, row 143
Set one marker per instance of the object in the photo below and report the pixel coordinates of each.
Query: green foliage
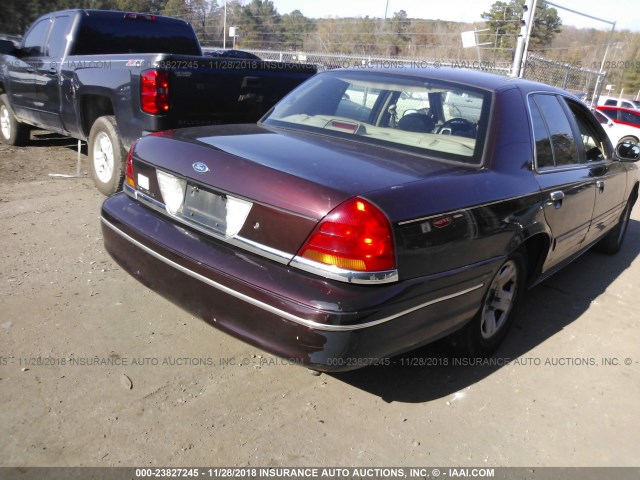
column 504, row 20
column 260, row 25
column 295, row 29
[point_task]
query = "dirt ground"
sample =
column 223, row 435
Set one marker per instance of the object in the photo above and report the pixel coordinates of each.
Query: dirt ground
column 96, row 370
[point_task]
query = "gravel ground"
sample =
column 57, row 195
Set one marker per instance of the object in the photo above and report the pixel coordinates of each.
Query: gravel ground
column 96, row 370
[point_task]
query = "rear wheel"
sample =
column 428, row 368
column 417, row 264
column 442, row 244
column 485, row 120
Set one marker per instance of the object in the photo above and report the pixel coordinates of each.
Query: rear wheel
column 12, row 131
column 482, row 336
column 106, row 155
column 612, row 241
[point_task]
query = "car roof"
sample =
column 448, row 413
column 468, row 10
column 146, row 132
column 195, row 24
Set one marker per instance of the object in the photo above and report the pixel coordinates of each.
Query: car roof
column 484, row 80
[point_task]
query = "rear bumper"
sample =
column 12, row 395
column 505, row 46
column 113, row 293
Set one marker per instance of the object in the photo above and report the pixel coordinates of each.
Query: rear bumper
column 323, row 324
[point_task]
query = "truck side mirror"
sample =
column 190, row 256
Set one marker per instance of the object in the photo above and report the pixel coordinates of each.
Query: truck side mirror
column 628, row 152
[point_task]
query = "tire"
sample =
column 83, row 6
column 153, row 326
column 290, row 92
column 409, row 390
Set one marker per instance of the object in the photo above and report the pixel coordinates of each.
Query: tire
column 12, row 132
column 482, row 336
column 106, row 155
column 612, row 241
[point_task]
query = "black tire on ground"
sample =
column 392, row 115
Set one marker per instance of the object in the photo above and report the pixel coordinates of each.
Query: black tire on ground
column 482, row 336
column 106, row 155
column 12, row 132
column 612, row 241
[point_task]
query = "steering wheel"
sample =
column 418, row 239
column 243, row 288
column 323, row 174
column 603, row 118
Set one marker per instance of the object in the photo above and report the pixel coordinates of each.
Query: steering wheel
column 457, row 124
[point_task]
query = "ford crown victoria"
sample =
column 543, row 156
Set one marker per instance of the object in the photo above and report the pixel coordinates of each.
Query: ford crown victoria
column 372, row 212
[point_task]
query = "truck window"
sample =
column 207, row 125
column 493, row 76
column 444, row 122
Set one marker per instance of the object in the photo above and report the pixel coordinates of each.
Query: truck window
column 113, row 34
column 58, row 36
column 34, row 41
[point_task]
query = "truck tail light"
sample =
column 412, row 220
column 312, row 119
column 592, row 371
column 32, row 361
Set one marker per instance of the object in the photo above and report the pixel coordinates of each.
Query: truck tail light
column 154, row 91
column 356, row 235
column 128, row 171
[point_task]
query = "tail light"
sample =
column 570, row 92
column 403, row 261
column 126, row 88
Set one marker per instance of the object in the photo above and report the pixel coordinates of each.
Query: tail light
column 356, row 235
column 154, row 91
column 128, row 171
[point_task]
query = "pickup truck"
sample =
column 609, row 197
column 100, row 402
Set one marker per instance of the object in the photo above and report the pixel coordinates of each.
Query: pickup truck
column 108, row 78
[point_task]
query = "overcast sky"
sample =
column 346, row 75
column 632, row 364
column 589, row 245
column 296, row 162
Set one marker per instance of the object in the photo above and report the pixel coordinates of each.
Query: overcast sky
column 626, row 13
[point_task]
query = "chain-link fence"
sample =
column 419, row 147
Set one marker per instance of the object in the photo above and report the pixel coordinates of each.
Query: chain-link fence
column 329, row 61
column 580, row 81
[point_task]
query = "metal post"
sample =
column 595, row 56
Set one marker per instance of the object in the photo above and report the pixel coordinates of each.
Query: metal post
column 224, row 27
column 530, row 22
column 520, row 44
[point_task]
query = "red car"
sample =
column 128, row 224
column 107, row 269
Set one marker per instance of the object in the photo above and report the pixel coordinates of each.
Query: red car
column 624, row 116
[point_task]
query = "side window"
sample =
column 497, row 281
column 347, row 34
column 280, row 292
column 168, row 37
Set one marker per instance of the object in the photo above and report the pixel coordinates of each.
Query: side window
column 58, row 36
column 601, row 118
column 34, row 41
column 565, row 151
column 611, row 102
column 594, row 142
column 629, row 117
column 357, row 103
column 544, row 153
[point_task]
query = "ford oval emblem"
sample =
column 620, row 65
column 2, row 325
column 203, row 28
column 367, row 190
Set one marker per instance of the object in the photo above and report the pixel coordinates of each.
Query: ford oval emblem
column 200, row 167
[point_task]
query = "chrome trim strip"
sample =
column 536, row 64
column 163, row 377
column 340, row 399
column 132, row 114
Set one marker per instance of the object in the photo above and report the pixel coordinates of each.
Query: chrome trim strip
column 349, row 276
column 276, row 311
column 464, row 209
column 240, row 242
column 327, row 271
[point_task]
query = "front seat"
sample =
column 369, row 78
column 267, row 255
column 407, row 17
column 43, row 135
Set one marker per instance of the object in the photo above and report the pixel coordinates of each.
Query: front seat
column 416, row 122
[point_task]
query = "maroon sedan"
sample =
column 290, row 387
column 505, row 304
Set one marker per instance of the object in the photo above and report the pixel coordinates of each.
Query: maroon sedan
column 371, row 212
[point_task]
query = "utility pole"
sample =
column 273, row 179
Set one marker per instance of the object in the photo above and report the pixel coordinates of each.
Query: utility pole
column 526, row 23
column 224, row 27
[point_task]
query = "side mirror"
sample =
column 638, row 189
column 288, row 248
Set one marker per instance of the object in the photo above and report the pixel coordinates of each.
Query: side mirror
column 7, row 47
column 628, row 152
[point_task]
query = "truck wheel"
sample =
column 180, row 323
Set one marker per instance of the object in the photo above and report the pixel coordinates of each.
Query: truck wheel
column 11, row 130
column 106, row 155
column 482, row 336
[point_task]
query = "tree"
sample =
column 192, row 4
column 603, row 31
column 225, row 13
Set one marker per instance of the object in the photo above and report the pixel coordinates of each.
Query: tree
column 295, row 29
column 400, row 26
column 504, row 19
column 259, row 24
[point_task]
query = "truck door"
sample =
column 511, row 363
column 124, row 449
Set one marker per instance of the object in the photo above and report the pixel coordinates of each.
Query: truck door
column 22, row 88
column 48, row 76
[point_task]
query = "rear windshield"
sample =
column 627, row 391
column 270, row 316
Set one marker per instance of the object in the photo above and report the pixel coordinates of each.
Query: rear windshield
column 440, row 119
column 114, row 34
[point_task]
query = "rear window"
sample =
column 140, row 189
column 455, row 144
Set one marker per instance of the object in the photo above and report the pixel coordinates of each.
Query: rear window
column 114, row 34
column 443, row 120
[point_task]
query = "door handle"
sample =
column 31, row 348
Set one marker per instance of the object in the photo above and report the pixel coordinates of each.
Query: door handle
column 557, row 197
column 31, row 70
column 600, row 186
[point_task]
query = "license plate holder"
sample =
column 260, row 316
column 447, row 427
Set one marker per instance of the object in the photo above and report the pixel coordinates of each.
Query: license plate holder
column 205, row 208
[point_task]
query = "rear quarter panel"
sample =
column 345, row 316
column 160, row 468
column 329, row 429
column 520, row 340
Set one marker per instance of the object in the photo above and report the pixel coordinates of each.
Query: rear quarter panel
column 471, row 214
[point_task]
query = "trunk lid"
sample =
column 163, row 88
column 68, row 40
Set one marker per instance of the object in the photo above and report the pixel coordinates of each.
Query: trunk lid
column 291, row 179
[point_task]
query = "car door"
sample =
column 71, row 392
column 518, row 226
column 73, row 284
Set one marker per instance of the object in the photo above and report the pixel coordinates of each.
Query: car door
column 22, row 88
column 610, row 176
column 47, row 74
column 567, row 185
